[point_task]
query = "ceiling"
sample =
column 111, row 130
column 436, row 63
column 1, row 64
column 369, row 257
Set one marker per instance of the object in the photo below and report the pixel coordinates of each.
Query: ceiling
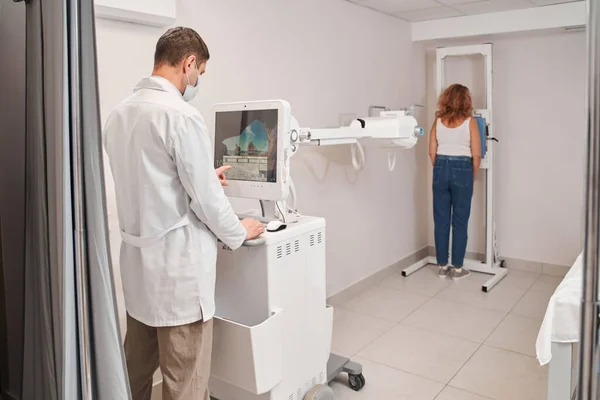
column 423, row 10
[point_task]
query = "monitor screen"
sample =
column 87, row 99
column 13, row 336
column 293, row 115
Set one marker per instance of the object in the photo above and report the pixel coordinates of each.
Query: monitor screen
column 247, row 142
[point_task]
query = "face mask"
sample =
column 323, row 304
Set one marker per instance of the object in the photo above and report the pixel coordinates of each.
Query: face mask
column 191, row 91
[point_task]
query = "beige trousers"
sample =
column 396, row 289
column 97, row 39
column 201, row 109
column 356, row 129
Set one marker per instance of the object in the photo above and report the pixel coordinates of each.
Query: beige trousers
column 183, row 354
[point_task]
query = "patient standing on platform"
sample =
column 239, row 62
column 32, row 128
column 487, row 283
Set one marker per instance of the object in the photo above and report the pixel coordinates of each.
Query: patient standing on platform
column 455, row 152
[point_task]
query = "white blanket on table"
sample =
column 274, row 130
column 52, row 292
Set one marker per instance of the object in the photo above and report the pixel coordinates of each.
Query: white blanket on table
column 562, row 319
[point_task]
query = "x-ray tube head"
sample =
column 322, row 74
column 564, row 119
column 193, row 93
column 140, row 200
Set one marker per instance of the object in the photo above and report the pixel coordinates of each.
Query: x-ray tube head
column 391, row 129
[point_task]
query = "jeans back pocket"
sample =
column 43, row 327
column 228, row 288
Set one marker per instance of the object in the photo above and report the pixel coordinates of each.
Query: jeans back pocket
column 437, row 174
column 462, row 177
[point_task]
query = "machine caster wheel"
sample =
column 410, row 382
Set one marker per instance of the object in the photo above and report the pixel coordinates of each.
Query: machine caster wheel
column 320, row 392
column 356, row 382
column 503, row 264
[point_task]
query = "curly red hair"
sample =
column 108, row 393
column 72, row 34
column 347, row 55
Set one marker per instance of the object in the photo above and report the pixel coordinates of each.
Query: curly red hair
column 454, row 104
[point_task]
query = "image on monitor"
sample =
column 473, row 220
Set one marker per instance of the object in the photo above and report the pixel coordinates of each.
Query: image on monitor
column 247, row 142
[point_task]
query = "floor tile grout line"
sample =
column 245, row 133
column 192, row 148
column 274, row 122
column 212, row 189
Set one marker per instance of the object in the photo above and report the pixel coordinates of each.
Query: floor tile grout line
column 403, row 323
column 430, row 299
column 415, row 310
column 379, row 318
column 400, row 322
column 484, row 308
column 405, row 372
column 478, row 307
column 540, row 320
column 365, row 314
column 476, row 351
column 483, row 344
column 497, row 326
column 453, row 337
column 446, row 287
column 403, row 291
column 411, row 373
column 479, row 347
column 509, row 351
column 413, row 292
column 389, row 330
column 438, row 394
column 434, row 297
column 539, row 278
column 375, row 339
column 345, row 308
column 470, row 392
column 506, row 316
column 396, row 324
column 449, row 383
column 520, row 299
column 464, row 364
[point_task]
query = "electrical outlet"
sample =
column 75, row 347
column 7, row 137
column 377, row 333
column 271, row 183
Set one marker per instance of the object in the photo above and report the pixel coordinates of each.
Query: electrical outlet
column 346, row 119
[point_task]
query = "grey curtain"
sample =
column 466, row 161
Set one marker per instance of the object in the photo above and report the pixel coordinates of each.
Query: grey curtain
column 3, row 325
column 110, row 378
column 72, row 345
column 43, row 336
column 12, row 186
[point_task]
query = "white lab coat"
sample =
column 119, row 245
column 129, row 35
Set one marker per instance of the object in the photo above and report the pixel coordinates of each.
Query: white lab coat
column 170, row 203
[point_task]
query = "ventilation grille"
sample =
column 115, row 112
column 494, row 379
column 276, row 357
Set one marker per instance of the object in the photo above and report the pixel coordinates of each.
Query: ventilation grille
column 300, row 392
column 287, row 249
column 316, row 239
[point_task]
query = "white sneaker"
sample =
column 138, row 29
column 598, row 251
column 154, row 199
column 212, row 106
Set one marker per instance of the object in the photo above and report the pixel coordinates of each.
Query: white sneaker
column 460, row 273
column 444, row 272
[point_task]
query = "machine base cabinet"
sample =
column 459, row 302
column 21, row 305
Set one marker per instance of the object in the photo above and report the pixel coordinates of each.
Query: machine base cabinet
column 273, row 328
column 249, row 357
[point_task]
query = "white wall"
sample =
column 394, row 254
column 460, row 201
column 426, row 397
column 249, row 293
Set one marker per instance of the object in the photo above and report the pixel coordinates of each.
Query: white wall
column 325, row 57
column 539, row 114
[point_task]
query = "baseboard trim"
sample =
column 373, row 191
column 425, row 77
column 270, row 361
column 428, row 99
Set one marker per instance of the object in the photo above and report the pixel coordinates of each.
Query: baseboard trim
column 511, row 263
column 358, row 287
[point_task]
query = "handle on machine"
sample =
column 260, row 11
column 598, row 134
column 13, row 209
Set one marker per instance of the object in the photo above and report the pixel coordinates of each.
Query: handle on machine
column 255, row 242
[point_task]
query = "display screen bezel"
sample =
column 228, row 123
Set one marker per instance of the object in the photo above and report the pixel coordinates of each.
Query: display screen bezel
column 270, row 119
column 274, row 191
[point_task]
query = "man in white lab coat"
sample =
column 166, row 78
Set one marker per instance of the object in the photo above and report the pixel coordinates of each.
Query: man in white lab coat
column 171, row 209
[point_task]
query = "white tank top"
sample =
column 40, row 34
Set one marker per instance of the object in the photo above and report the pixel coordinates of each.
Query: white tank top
column 454, row 141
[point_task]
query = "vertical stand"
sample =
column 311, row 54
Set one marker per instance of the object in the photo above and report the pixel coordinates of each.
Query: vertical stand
column 589, row 354
column 490, row 266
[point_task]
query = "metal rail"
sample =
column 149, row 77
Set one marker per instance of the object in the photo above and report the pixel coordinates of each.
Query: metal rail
column 588, row 379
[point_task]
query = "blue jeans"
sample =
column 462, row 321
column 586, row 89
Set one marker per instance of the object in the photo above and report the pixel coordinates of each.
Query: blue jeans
column 452, row 194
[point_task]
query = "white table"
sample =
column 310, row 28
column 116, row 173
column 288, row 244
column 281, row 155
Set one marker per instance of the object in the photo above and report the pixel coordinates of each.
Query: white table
column 558, row 338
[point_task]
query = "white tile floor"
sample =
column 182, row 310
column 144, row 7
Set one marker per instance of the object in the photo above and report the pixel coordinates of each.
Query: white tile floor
column 424, row 338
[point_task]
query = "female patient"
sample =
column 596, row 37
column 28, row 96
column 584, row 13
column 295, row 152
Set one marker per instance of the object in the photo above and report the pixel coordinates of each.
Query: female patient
column 455, row 151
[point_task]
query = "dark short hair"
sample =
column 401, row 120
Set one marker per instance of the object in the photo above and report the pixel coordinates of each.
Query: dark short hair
column 179, row 43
